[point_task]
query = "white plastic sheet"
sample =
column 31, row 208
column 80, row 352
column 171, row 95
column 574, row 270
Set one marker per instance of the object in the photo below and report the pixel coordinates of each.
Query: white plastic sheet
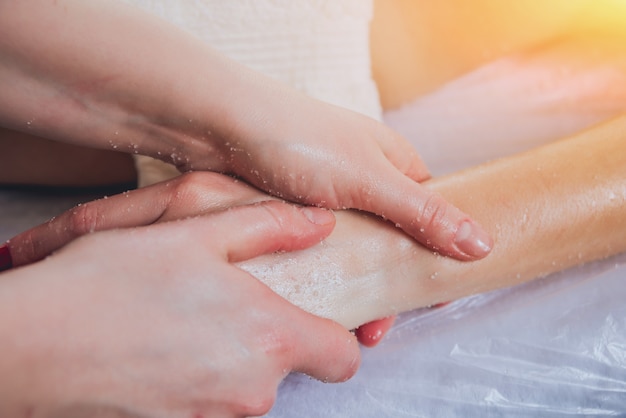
column 550, row 348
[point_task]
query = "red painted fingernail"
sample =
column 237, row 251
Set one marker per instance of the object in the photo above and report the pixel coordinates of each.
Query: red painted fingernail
column 6, row 262
column 369, row 338
column 440, row 304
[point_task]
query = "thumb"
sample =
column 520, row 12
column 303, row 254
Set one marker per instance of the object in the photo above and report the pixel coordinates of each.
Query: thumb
column 421, row 213
column 323, row 349
column 425, row 215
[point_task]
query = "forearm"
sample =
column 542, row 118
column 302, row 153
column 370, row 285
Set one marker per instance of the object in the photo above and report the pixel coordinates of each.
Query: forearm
column 548, row 209
column 104, row 74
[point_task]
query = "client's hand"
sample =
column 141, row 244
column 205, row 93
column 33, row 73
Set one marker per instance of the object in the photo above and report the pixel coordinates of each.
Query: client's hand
column 156, row 321
column 188, row 195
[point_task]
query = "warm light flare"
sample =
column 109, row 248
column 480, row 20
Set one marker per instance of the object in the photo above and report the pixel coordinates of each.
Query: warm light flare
column 605, row 15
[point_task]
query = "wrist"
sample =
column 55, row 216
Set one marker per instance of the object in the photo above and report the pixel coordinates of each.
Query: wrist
column 192, row 113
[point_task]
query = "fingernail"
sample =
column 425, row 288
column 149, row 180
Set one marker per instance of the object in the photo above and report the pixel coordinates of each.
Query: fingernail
column 472, row 240
column 6, row 262
column 318, row 216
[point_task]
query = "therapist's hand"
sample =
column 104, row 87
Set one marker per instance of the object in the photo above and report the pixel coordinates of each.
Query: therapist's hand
column 156, row 321
column 311, row 152
column 226, row 118
column 188, row 195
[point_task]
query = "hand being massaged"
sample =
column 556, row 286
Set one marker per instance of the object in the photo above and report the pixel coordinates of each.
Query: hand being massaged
column 190, row 195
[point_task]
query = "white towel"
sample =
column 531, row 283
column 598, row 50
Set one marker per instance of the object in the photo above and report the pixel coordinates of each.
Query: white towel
column 320, row 47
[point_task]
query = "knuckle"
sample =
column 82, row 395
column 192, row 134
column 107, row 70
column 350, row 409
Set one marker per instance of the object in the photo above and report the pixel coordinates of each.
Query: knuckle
column 276, row 213
column 432, row 213
column 84, row 219
column 195, row 185
column 277, row 344
column 363, row 194
column 26, row 248
column 210, row 191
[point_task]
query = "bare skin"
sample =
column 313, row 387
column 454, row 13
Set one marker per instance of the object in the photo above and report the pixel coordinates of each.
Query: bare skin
column 100, row 82
column 164, row 332
column 408, row 40
column 400, row 290
column 547, row 209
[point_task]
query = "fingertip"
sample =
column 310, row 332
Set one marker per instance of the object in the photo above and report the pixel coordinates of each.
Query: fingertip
column 21, row 250
column 6, row 261
column 346, row 355
column 331, row 355
column 437, row 224
column 352, row 367
column 352, row 361
column 472, row 241
column 372, row 333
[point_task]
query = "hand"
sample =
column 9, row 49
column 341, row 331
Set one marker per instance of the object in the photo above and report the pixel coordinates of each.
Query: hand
column 189, row 195
column 192, row 194
column 311, row 152
column 225, row 118
column 159, row 323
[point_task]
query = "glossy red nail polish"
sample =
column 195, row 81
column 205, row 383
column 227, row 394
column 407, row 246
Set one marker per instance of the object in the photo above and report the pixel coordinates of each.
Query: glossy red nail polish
column 6, row 262
column 372, row 333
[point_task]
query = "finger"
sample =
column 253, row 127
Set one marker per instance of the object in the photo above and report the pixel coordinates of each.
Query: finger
column 6, row 260
column 188, row 195
column 125, row 210
column 425, row 215
column 324, row 349
column 438, row 224
column 372, row 333
column 249, row 231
